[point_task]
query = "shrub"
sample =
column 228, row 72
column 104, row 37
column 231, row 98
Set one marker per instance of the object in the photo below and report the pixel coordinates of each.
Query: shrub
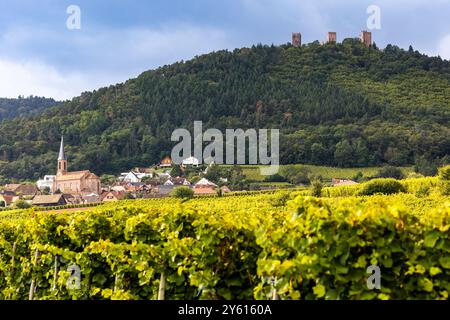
column 183, row 193
column 358, row 177
column 22, row 204
column 390, row 172
column 296, row 175
column 316, row 188
column 444, row 176
column 275, row 178
column 444, row 173
column 384, row 186
column 279, row 199
column 425, row 167
column 423, row 191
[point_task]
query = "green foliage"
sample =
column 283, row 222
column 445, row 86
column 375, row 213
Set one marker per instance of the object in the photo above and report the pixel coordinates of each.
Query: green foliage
column 275, row 178
column 231, row 247
column 390, row 172
column 444, row 176
column 129, row 195
column 444, row 173
column 383, row 186
column 423, row 191
column 108, row 179
column 24, row 107
column 183, row 193
column 324, row 252
column 342, row 105
column 426, row 167
column 316, row 188
column 176, row 171
column 296, row 175
column 214, row 173
column 22, row 204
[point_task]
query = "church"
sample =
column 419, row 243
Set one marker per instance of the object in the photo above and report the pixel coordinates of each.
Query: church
column 76, row 183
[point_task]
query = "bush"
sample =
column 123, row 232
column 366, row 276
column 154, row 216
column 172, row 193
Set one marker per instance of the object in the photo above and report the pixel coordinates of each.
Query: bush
column 444, row 173
column 390, row 172
column 384, row 186
column 296, row 175
column 22, row 204
column 425, row 167
column 275, row 178
column 358, row 177
column 183, row 193
column 423, row 191
column 444, row 176
column 316, row 188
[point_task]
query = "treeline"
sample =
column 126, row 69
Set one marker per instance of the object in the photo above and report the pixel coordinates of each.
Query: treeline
column 341, row 105
column 23, row 107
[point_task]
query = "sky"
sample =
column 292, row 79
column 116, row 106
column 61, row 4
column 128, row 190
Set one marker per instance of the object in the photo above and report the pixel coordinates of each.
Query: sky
column 42, row 54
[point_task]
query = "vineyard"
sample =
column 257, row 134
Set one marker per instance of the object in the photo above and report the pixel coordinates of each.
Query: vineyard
column 279, row 245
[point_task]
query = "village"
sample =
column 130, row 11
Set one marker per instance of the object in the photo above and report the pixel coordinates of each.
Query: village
column 158, row 181
column 85, row 187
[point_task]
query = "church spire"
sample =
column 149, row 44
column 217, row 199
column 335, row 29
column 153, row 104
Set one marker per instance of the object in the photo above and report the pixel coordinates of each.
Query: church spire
column 62, row 160
column 62, row 155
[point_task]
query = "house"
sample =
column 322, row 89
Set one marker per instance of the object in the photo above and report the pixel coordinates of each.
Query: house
column 164, row 176
column 342, row 182
column 78, row 182
column 205, row 187
column 7, row 200
column 177, row 182
column 49, row 200
column 128, row 177
column 47, row 182
column 118, row 189
column 148, row 171
column 163, row 191
column 190, row 162
column 22, row 189
column 166, row 162
column 205, row 190
column 134, row 176
column 225, row 189
column 91, row 198
column 205, row 183
column 110, row 196
column 135, row 186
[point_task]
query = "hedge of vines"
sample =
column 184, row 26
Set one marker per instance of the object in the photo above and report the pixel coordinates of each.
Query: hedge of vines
column 307, row 249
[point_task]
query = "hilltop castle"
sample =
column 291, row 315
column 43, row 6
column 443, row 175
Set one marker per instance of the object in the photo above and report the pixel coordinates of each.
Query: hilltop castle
column 75, row 183
column 365, row 37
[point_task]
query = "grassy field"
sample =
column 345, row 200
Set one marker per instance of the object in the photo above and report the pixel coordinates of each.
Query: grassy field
column 327, row 173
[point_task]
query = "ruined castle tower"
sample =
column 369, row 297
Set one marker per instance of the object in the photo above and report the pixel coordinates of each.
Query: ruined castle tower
column 366, row 38
column 331, row 37
column 296, row 39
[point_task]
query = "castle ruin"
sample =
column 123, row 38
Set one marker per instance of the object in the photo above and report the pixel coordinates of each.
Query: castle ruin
column 296, row 39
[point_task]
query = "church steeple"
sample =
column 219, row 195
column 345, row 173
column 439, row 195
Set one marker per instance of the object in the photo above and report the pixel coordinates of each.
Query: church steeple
column 62, row 160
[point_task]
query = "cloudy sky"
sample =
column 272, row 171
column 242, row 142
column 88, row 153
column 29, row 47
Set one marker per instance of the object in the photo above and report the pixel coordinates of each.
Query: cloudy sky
column 119, row 39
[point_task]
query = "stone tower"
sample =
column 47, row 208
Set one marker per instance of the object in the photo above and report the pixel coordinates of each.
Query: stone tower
column 296, row 39
column 331, row 37
column 366, row 38
column 62, row 160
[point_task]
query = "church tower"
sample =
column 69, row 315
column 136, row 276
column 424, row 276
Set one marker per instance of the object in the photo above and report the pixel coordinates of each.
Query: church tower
column 62, row 160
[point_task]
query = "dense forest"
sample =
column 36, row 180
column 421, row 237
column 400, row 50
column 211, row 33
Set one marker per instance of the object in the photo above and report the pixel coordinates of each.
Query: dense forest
column 336, row 104
column 24, row 107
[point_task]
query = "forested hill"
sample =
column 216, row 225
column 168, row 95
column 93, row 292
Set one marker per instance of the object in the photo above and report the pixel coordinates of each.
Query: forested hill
column 340, row 105
column 23, row 107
